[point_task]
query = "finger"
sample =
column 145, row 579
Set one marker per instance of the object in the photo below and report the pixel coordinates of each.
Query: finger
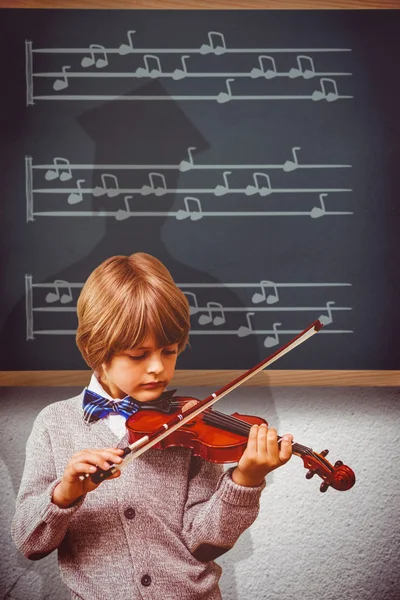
column 272, row 445
column 99, row 458
column 252, row 441
column 189, row 405
column 262, row 442
column 285, row 451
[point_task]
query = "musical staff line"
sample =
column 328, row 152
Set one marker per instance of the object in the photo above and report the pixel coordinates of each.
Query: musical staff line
column 164, row 191
column 228, row 285
column 208, row 332
column 166, row 75
column 177, row 214
column 232, row 97
column 231, row 309
column 177, row 167
column 182, row 50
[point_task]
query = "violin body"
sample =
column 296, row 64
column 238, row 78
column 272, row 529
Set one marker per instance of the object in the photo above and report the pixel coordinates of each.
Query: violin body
column 211, row 443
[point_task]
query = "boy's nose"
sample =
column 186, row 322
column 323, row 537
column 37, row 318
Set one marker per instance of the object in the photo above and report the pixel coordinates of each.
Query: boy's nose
column 155, row 365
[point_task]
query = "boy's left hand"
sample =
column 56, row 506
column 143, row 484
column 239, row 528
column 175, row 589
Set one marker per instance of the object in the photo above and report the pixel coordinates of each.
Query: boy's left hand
column 262, row 455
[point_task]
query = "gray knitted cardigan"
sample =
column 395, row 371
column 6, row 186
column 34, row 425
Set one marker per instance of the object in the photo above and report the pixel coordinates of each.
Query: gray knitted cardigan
column 150, row 534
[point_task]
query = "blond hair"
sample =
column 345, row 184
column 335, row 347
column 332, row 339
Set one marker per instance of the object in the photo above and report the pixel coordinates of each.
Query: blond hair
column 125, row 299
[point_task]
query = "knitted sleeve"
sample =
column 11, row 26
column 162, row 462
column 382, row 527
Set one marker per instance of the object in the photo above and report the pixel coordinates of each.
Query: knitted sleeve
column 217, row 510
column 39, row 526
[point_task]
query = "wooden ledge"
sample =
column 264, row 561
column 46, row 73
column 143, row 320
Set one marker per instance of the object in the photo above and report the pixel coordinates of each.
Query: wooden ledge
column 216, row 378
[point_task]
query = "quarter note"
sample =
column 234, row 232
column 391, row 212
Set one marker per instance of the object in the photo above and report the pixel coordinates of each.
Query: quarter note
column 195, row 213
column 221, row 190
column 263, row 190
column 159, row 190
column 104, row 189
column 127, row 48
column 318, row 211
column 55, row 296
column 89, row 61
column 216, row 44
column 218, row 319
column 291, row 165
column 61, row 171
column 322, row 94
column 186, row 165
column 61, row 84
column 245, row 330
column 147, row 71
column 273, row 340
column 268, row 73
column 327, row 319
column 75, row 198
column 271, row 298
column 225, row 96
column 305, row 67
column 181, row 73
column 124, row 213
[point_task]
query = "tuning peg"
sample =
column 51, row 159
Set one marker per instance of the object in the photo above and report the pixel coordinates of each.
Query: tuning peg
column 338, row 463
column 324, row 452
column 310, row 474
column 324, row 486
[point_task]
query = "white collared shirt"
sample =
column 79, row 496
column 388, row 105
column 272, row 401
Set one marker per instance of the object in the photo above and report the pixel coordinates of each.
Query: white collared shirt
column 114, row 421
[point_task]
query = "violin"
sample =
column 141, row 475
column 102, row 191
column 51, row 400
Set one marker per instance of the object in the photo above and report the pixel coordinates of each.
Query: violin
column 215, row 436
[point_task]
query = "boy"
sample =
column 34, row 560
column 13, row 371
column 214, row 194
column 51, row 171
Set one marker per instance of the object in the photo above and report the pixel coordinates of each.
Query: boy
column 154, row 530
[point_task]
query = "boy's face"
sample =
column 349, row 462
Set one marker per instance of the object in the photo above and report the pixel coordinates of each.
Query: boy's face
column 142, row 373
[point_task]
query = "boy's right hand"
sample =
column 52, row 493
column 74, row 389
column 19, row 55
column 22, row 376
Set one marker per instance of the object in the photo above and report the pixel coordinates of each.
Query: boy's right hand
column 71, row 487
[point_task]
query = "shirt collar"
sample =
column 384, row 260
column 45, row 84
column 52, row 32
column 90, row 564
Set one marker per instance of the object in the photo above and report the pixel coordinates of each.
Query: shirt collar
column 95, row 386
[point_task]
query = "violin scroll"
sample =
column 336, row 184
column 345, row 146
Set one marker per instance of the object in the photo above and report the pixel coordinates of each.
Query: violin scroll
column 338, row 476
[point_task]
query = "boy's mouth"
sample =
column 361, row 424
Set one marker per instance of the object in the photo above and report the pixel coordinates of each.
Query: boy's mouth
column 153, row 384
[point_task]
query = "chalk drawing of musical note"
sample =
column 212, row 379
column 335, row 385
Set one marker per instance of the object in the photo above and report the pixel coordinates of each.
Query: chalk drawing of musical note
column 55, row 296
column 127, row 48
column 195, row 213
column 124, row 213
column 245, row 330
column 271, row 298
column 219, row 319
column 291, row 165
column 221, row 190
column 225, row 96
column 193, row 304
column 318, row 211
column 89, row 61
column 186, row 165
column 61, row 84
column 273, row 340
column 104, row 189
column 75, row 198
column 322, row 94
column 305, row 68
column 216, row 44
column 263, row 190
column 159, row 190
column 268, row 73
column 61, row 171
column 327, row 319
column 147, row 71
column 181, row 73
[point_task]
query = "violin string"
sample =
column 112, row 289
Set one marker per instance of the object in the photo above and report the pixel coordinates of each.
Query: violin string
column 241, row 427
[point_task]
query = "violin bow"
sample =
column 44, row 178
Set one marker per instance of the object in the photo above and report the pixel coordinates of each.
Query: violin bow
column 148, row 441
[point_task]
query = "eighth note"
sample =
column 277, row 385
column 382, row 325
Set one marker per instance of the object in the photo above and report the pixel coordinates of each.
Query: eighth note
column 263, row 190
column 61, row 171
column 89, row 61
column 262, row 72
column 122, row 213
column 186, row 165
column 194, row 215
column 75, row 198
column 225, row 96
column 61, row 84
column 147, row 71
column 219, row 319
column 323, row 94
column 193, row 308
column 318, row 211
column 244, row 330
column 152, row 189
column 127, row 48
column 214, row 47
column 326, row 320
column 301, row 71
column 221, row 190
column 181, row 73
column 104, row 189
column 292, row 165
column 273, row 340
column 54, row 296
column 271, row 298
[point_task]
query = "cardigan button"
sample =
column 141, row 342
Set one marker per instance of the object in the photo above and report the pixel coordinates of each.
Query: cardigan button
column 130, row 513
column 146, row 580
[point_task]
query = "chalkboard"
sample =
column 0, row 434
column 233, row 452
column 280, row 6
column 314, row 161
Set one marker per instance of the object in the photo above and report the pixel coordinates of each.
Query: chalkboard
column 254, row 152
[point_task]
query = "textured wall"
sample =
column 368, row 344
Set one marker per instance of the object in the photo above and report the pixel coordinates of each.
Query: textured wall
column 304, row 544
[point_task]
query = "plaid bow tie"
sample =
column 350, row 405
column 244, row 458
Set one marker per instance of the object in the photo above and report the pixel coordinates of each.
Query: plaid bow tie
column 96, row 407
